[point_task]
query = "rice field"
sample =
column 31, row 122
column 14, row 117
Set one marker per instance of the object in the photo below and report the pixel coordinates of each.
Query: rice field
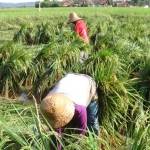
column 38, row 48
column 90, row 11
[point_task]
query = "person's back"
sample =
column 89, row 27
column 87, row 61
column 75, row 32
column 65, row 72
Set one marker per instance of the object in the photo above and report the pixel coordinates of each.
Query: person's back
column 81, row 30
column 79, row 88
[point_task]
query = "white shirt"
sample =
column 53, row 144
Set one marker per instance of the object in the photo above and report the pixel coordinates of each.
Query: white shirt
column 79, row 88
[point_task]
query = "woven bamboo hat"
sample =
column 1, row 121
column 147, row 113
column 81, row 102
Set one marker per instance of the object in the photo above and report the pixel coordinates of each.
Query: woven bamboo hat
column 57, row 109
column 73, row 17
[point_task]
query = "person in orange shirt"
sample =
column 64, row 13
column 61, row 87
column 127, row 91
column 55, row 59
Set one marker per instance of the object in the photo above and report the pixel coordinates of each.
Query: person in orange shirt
column 79, row 26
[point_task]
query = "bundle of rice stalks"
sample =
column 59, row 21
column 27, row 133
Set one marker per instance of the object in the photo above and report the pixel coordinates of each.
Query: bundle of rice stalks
column 14, row 60
column 43, row 34
column 105, row 35
column 144, row 78
column 54, row 60
column 139, row 131
column 28, row 34
column 25, row 35
column 116, row 93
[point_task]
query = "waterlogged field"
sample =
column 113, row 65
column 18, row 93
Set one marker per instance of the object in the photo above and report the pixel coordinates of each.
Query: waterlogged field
column 38, row 48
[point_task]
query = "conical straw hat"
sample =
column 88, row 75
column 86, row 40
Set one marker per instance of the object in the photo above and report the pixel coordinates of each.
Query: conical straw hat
column 57, row 109
column 73, row 17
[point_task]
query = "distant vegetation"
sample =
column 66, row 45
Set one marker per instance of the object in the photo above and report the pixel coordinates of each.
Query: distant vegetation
column 47, row 4
column 86, row 3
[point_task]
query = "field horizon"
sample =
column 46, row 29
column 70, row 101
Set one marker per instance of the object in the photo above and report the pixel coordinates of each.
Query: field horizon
column 64, row 11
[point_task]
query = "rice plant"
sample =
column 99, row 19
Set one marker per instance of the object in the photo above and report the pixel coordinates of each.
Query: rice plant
column 14, row 60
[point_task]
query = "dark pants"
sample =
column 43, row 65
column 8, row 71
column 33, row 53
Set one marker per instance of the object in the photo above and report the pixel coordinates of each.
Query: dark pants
column 92, row 117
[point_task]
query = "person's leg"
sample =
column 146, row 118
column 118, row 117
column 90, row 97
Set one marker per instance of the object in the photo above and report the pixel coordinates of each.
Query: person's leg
column 92, row 117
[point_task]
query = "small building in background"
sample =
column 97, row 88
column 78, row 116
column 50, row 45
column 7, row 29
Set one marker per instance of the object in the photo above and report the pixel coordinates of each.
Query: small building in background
column 67, row 3
column 121, row 3
column 84, row 2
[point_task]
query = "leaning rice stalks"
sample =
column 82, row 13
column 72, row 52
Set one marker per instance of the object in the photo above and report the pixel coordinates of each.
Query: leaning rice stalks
column 13, row 62
column 116, row 91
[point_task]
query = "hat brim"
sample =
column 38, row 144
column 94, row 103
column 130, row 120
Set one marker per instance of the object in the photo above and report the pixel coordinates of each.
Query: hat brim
column 60, row 115
column 74, row 20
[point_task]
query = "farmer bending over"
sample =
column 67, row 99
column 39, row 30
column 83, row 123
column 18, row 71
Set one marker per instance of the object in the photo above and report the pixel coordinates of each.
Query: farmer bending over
column 79, row 26
column 72, row 103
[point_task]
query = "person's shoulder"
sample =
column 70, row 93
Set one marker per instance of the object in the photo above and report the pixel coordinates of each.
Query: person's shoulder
column 80, row 22
column 86, row 76
column 79, row 75
column 82, row 75
column 83, row 21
